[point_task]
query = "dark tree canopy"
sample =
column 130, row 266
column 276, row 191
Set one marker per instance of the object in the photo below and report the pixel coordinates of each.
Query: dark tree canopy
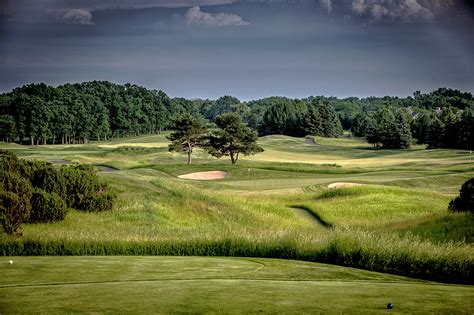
column 279, row 119
column 75, row 113
column 387, row 128
column 322, row 120
column 465, row 200
column 100, row 110
column 224, row 104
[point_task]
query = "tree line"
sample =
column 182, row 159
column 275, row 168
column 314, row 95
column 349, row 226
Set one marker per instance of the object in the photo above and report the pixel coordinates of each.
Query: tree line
column 76, row 113
column 100, row 110
column 395, row 127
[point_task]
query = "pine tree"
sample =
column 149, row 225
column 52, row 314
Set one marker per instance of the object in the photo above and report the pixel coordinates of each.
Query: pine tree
column 403, row 133
column 386, row 128
column 372, row 131
column 466, row 130
column 313, row 122
column 232, row 138
column 450, row 119
column 322, row 120
column 331, row 124
column 359, row 125
column 189, row 132
column 434, row 138
column 420, row 126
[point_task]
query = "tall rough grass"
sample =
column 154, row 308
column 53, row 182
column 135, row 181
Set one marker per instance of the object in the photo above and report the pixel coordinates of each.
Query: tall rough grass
column 389, row 253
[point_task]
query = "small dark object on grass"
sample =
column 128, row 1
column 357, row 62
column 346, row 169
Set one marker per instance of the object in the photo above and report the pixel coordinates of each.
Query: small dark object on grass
column 389, row 306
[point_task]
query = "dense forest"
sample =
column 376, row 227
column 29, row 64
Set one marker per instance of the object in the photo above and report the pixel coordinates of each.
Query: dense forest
column 98, row 110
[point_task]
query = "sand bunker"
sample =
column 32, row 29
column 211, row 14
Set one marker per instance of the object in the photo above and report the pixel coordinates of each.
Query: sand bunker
column 140, row 145
column 310, row 141
column 61, row 162
column 211, row 175
column 343, row 185
column 103, row 168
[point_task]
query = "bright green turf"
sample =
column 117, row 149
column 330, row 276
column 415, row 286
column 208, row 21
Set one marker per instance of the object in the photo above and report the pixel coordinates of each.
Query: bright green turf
column 213, row 285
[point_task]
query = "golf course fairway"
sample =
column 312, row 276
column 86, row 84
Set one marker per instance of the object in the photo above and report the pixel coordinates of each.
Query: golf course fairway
column 157, row 284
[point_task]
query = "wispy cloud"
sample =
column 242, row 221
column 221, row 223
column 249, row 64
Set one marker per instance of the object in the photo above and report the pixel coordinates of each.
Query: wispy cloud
column 393, row 10
column 77, row 16
column 326, row 4
column 197, row 17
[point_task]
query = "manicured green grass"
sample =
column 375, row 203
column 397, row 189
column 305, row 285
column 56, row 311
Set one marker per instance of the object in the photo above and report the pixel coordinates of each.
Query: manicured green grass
column 222, row 285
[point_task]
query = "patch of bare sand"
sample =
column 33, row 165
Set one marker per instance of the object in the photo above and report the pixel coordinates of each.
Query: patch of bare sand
column 211, row 175
column 343, row 185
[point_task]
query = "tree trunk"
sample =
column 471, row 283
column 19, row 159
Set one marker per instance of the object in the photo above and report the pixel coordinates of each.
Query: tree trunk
column 232, row 159
column 190, row 151
column 32, row 140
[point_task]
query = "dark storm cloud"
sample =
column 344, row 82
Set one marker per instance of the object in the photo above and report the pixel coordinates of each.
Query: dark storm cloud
column 398, row 11
column 385, row 11
column 247, row 48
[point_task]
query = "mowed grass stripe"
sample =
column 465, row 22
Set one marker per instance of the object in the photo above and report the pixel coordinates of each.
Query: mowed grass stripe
column 203, row 284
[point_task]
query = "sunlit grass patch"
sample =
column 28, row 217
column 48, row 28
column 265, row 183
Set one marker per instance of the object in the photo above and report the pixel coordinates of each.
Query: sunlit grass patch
column 374, row 206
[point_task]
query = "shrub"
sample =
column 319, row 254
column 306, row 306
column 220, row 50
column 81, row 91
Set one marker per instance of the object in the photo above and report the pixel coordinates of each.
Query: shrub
column 9, row 162
column 31, row 169
column 56, row 190
column 51, row 180
column 465, row 200
column 84, row 190
column 47, row 207
column 100, row 201
column 15, row 207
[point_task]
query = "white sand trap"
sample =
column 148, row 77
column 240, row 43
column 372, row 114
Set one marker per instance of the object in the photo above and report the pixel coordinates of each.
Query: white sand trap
column 139, row 145
column 343, row 185
column 211, row 175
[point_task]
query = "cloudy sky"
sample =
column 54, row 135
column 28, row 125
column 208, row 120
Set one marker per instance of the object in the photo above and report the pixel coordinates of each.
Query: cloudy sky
column 248, row 48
